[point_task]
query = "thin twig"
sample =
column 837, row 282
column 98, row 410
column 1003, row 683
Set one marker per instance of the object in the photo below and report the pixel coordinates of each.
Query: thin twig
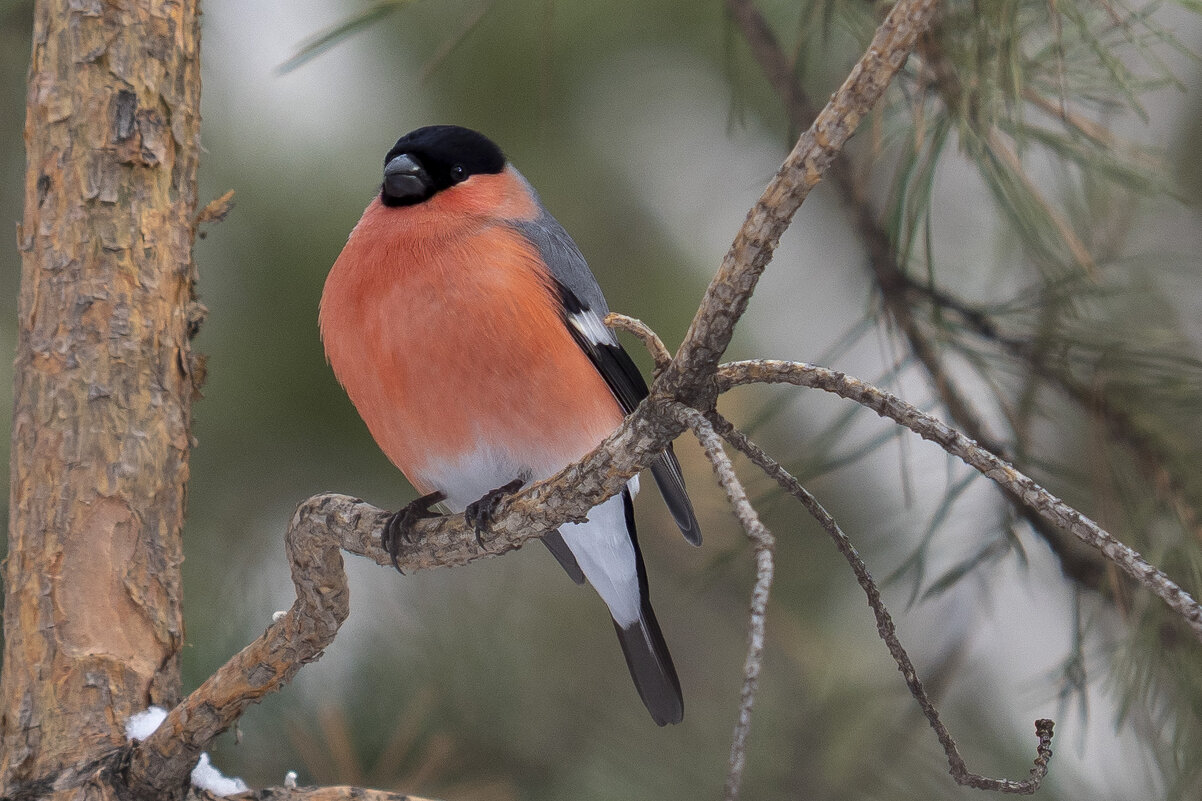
column 1151, row 452
column 884, row 623
column 655, row 346
column 765, row 545
column 1045, row 504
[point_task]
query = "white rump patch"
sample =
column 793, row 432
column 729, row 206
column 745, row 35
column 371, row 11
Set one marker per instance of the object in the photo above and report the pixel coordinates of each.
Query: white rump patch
column 603, row 550
column 601, row 545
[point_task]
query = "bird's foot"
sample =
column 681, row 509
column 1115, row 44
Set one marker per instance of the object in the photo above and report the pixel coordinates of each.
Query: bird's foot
column 399, row 527
column 478, row 514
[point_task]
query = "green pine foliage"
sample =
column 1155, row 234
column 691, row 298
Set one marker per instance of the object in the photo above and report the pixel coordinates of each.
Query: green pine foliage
column 1049, row 103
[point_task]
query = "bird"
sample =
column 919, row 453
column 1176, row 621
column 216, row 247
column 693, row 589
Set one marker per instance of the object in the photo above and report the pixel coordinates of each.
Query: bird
column 467, row 329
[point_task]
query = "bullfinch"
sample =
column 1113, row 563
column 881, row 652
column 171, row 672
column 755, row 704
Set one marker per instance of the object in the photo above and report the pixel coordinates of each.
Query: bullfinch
column 467, row 330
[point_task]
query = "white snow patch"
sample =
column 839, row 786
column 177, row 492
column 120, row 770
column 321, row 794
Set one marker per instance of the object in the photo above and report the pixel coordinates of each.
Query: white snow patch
column 206, row 777
column 142, row 724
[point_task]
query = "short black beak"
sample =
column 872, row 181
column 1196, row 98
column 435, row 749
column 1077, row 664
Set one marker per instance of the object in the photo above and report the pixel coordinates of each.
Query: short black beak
column 406, row 181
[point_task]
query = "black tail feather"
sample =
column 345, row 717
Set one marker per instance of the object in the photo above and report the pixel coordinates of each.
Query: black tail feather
column 644, row 647
column 666, row 471
column 651, row 667
column 563, row 554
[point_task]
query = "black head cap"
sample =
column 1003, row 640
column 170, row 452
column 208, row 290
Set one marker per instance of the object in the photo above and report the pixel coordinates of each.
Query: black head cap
column 434, row 158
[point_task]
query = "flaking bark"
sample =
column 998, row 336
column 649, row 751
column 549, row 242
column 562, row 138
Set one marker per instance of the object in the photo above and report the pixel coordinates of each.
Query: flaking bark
column 104, row 380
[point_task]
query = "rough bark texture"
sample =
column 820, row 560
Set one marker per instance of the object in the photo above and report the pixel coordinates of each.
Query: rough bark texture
column 294, row 639
column 104, row 380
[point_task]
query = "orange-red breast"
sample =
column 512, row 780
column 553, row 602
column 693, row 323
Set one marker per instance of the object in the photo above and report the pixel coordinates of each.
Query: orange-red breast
column 467, row 330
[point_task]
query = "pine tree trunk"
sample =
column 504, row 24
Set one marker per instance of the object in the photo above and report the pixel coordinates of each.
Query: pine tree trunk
column 104, row 380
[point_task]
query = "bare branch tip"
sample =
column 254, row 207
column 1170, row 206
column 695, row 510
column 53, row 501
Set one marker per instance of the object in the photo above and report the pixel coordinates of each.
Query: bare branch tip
column 632, row 325
column 216, row 210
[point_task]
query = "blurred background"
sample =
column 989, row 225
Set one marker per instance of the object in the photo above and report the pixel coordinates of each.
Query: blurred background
column 649, row 130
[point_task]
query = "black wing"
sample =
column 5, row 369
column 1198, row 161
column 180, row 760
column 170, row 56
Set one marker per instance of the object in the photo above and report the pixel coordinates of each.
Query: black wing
column 584, row 308
column 628, row 386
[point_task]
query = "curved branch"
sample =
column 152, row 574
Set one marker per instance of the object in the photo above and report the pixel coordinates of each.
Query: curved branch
column 655, row 346
column 325, row 524
column 1049, row 508
column 162, row 762
column 886, row 629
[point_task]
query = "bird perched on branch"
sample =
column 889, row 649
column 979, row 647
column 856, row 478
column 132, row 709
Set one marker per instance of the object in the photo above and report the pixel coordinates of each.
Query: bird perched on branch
column 467, row 330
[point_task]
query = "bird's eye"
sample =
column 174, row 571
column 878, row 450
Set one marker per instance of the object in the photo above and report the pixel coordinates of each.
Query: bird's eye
column 458, row 173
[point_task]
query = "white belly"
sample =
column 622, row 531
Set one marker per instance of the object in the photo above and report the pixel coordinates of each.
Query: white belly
column 602, row 545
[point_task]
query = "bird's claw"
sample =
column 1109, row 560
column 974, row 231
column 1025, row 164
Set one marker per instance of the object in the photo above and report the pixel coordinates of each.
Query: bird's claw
column 399, row 527
column 478, row 514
